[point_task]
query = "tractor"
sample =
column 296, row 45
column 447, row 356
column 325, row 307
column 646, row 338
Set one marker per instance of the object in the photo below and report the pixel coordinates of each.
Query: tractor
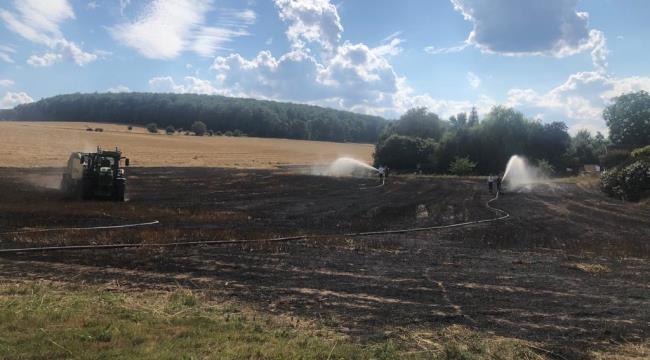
column 95, row 175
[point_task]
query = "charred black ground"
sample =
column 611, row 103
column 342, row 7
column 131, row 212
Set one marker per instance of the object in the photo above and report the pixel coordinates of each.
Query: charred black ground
column 569, row 270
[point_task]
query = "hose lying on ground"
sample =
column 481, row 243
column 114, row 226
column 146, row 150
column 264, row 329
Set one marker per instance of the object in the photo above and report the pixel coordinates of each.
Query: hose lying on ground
column 502, row 216
column 80, row 228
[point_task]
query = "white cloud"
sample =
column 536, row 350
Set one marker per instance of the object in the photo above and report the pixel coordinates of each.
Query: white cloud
column 473, row 80
column 6, row 82
column 312, row 21
column 514, row 27
column 47, row 59
column 123, row 5
column 4, row 53
column 12, row 99
column 351, row 76
column 449, row 50
column 118, row 89
column 38, row 21
column 92, row 5
column 167, row 28
column 192, row 85
column 579, row 101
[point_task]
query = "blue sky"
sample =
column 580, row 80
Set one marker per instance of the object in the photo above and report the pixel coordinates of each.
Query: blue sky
column 554, row 60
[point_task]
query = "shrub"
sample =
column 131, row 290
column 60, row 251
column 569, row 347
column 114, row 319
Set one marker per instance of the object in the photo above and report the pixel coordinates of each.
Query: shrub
column 614, row 157
column 628, row 181
column 228, row 133
column 99, row 130
column 462, row 166
column 218, row 133
column 238, row 133
column 170, row 130
column 130, row 128
column 405, row 153
column 199, row 128
column 89, row 129
column 152, row 128
column 210, row 133
column 545, row 167
column 643, row 152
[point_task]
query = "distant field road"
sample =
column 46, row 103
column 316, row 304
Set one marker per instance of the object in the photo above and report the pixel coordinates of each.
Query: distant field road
column 37, row 144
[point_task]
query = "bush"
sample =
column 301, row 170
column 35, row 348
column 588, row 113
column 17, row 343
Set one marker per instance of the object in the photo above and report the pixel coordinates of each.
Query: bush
column 170, row 130
column 237, row 133
column 629, row 181
column 643, row 152
column 199, row 128
column 462, row 166
column 152, row 128
column 210, row 133
column 99, row 130
column 614, row 157
column 130, row 128
column 405, row 153
column 218, row 133
column 545, row 167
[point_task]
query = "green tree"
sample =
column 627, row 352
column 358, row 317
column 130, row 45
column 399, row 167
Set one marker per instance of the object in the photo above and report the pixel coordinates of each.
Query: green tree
column 419, row 122
column 170, row 130
column 405, row 152
column 628, row 119
column 152, row 128
column 462, row 166
column 199, row 128
column 473, row 117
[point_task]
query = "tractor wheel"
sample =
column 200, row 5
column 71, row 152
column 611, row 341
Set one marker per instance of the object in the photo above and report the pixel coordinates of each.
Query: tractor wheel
column 118, row 191
column 86, row 189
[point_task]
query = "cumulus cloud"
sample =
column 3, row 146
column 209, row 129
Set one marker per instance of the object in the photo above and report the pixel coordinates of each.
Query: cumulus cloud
column 167, row 28
column 11, row 99
column 193, row 85
column 514, row 27
column 6, row 82
column 311, row 21
column 580, row 99
column 39, row 22
column 351, row 76
column 47, row 59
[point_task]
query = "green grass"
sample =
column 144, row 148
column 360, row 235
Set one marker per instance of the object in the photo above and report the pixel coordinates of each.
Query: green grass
column 55, row 321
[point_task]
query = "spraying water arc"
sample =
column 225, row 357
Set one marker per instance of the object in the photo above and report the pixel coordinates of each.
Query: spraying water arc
column 347, row 166
column 520, row 174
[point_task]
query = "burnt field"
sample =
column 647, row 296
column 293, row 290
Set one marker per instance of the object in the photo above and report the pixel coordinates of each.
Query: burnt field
column 568, row 271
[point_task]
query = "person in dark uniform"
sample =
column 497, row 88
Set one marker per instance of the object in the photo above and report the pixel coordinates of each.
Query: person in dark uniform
column 499, row 184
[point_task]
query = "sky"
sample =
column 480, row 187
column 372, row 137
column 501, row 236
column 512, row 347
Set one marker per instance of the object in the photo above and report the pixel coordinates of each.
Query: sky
column 554, row 60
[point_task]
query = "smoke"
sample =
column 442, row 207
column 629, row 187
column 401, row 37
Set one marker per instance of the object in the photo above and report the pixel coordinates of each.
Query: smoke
column 46, row 181
column 345, row 166
column 521, row 175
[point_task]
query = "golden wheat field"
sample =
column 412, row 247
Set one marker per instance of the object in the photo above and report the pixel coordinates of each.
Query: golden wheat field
column 36, row 144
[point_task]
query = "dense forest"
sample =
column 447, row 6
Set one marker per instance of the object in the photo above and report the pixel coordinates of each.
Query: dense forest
column 219, row 113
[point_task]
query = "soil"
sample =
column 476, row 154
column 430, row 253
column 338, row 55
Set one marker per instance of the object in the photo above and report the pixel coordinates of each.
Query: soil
column 569, row 270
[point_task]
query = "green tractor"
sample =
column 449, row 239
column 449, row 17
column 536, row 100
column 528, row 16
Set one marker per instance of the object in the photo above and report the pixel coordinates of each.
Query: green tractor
column 95, row 175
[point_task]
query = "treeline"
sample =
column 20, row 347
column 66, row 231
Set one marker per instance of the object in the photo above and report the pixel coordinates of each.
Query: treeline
column 219, row 113
column 464, row 144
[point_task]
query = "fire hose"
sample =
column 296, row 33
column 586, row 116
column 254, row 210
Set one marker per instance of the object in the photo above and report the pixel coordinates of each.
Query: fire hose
column 502, row 215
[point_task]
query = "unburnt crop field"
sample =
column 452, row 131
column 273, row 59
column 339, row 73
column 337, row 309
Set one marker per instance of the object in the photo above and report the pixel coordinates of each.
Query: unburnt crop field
column 31, row 144
column 566, row 276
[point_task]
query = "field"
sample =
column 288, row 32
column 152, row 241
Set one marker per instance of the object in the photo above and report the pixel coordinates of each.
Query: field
column 566, row 277
column 30, row 144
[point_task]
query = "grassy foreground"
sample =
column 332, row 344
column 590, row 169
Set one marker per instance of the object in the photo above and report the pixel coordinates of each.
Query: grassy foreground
column 55, row 321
